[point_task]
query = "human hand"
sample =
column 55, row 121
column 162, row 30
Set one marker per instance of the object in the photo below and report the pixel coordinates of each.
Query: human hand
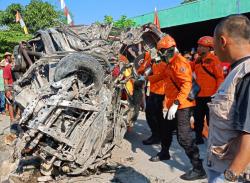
column 141, row 78
column 172, row 111
column 9, row 95
column 165, row 112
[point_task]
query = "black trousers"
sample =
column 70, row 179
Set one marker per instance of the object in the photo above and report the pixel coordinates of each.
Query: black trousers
column 181, row 123
column 201, row 110
column 154, row 112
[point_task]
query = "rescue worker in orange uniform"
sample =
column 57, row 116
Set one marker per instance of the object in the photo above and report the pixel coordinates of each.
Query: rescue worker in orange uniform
column 154, row 102
column 178, row 84
column 209, row 76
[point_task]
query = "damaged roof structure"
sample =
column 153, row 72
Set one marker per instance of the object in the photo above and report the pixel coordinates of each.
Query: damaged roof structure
column 190, row 21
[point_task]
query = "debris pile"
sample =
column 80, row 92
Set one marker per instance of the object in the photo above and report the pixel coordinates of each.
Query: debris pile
column 73, row 109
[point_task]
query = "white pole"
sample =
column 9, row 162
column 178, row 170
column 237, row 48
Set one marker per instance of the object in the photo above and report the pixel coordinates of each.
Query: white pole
column 238, row 6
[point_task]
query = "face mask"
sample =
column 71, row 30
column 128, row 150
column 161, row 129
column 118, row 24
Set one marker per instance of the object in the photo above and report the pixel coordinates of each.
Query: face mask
column 166, row 54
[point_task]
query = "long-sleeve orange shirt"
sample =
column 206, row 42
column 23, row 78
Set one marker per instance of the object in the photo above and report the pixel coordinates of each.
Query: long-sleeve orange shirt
column 157, row 79
column 178, row 82
column 208, row 84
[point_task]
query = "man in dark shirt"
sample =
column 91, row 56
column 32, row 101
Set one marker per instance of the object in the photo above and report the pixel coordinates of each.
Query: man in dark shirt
column 229, row 133
column 242, row 96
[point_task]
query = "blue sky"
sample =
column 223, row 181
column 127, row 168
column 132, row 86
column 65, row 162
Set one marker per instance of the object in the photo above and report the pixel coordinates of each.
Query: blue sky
column 89, row 11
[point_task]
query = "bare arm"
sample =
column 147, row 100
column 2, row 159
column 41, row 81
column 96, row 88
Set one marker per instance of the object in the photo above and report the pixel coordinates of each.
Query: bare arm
column 6, row 82
column 242, row 158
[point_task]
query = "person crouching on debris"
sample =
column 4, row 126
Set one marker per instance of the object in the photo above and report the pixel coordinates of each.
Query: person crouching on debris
column 8, row 82
column 178, row 84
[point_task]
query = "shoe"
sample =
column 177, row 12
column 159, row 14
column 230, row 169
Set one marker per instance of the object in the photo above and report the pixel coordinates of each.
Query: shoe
column 151, row 140
column 160, row 157
column 194, row 175
column 199, row 141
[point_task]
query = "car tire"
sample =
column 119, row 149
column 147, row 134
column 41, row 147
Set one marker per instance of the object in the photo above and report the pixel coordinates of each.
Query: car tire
column 88, row 69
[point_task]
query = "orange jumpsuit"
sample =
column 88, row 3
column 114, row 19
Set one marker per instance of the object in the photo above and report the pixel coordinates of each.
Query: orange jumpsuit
column 157, row 79
column 154, row 102
column 208, row 84
column 178, row 82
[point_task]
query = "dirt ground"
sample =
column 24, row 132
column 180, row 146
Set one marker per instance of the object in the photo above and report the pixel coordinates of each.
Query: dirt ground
column 131, row 156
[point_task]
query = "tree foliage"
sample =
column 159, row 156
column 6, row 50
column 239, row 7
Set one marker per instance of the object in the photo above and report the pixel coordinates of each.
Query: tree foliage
column 123, row 22
column 40, row 15
column 8, row 17
column 8, row 39
column 36, row 15
column 108, row 19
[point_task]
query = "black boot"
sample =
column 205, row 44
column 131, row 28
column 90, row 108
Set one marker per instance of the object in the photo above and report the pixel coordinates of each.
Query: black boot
column 151, row 140
column 163, row 155
column 198, row 171
column 194, row 174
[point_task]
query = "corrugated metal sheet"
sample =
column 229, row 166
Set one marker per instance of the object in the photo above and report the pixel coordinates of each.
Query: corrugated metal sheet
column 196, row 12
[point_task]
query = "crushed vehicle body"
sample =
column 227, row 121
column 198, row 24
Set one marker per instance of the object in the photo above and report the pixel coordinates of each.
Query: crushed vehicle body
column 73, row 112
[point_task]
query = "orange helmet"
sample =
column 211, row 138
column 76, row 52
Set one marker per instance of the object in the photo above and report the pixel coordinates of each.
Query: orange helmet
column 207, row 41
column 166, row 42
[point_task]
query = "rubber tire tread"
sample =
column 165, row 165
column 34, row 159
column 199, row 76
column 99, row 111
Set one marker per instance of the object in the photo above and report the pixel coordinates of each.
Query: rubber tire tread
column 76, row 62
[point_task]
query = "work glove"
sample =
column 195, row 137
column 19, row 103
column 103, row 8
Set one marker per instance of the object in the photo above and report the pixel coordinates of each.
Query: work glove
column 165, row 112
column 142, row 78
column 172, row 111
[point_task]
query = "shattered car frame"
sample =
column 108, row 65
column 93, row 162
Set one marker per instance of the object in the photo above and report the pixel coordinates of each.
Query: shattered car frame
column 72, row 110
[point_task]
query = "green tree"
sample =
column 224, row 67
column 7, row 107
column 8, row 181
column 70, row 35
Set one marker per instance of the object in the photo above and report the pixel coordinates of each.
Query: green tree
column 36, row 15
column 40, row 15
column 108, row 19
column 8, row 17
column 8, row 39
column 123, row 22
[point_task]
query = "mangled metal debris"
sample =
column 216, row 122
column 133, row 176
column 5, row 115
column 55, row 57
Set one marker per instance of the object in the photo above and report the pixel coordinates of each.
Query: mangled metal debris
column 74, row 111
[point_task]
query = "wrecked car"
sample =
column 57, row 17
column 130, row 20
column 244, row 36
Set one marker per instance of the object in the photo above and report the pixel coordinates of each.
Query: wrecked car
column 73, row 112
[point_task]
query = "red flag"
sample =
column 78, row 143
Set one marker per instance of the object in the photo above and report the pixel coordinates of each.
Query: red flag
column 66, row 12
column 20, row 19
column 156, row 20
column 18, row 16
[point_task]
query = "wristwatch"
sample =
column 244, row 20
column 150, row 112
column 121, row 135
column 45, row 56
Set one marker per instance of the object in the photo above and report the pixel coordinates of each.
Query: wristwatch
column 230, row 175
column 176, row 102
